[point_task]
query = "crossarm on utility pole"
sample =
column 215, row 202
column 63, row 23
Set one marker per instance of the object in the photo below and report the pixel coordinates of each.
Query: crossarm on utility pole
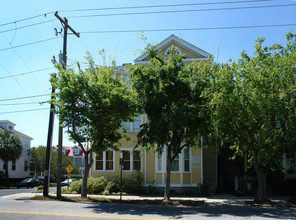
column 66, row 25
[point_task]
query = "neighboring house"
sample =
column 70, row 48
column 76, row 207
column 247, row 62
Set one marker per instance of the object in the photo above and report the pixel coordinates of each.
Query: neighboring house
column 189, row 169
column 20, row 167
column 76, row 155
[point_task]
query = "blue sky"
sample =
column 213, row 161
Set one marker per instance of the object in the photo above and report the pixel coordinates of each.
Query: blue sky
column 26, row 61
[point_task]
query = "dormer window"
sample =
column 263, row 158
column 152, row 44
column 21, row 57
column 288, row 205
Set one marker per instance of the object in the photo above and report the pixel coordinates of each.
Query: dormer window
column 168, row 51
column 10, row 127
column 76, row 152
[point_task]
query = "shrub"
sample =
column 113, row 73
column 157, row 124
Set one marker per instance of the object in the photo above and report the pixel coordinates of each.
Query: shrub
column 207, row 188
column 96, row 185
column 76, row 186
column 76, row 176
column 40, row 187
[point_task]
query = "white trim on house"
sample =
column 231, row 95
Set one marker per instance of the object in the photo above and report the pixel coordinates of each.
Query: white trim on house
column 184, row 60
column 104, row 163
column 182, row 42
column 181, row 161
column 132, row 159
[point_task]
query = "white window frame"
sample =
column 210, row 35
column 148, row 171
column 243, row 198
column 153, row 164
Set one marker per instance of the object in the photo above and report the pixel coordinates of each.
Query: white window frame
column 167, row 52
column 181, row 162
column 132, row 159
column 104, row 162
column 76, row 151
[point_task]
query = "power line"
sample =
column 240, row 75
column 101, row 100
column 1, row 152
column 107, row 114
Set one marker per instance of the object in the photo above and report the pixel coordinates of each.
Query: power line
column 23, row 45
column 21, row 111
column 25, row 73
column 128, row 7
column 142, row 7
column 20, row 57
column 29, row 18
column 26, row 97
column 189, row 29
column 26, row 103
column 26, row 26
column 179, row 11
column 161, row 6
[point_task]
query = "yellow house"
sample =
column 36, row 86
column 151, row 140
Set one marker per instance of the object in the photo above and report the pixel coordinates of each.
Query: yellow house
column 189, row 169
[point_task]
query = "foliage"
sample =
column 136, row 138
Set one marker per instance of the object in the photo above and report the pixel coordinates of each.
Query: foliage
column 76, row 176
column 92, row 105
column 75, row 186
column 170, row 94
column 253, row 102
column 207, row 188
column 10, row 149
column 95, row 185
column 38, row 158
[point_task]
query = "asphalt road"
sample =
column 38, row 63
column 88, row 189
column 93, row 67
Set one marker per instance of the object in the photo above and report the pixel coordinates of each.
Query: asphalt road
column 30, row 209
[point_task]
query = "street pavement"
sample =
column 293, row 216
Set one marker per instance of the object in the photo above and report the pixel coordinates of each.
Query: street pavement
column 17, row 206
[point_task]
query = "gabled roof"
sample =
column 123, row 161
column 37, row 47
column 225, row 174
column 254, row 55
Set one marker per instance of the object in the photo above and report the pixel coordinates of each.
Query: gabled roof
column 180, row 43
column 7, row 122
column 69, row 151
column 17, row 133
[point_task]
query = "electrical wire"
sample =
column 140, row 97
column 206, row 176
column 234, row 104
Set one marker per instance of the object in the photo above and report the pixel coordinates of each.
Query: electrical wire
column 21, row 111
column 25, row 73
column 23, row 61
column 26, row 97
column 29, row 18
column 182, row 11
column 26, row 26
column 161, row 6
column 188, row 29
column 26, row 103
column 23, row 45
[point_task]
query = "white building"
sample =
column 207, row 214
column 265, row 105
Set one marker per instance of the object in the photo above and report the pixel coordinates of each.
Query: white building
column 21, row 167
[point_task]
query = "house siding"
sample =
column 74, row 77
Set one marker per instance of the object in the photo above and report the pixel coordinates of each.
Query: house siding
column 149, row 163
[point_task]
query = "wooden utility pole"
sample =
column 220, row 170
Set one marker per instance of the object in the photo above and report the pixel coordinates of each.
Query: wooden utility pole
column 48, row 147
column 65, row 25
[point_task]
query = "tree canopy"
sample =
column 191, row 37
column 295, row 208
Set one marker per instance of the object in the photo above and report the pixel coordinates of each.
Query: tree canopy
column 170, row 93
column 92, row 105
column 253, row 102
column 10, row 149
column 38, row 154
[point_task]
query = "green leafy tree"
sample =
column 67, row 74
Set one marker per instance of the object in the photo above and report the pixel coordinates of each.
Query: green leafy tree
column 38, row 154
column 253, row 101
column 92, row 104
column 170, row 93
column 10, row 149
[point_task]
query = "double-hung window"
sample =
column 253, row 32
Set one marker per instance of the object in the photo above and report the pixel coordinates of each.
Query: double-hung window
column 132, row 160
column 105, row 161
column 180, row 164
column 13, row 165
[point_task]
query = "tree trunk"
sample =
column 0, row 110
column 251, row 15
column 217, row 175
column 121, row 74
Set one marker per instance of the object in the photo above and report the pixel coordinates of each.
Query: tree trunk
column 88, row 161
column 85, row 176
column 6, row 174
column 261, row 188
column 167, row 191
column 59, row 172
column 261, row 179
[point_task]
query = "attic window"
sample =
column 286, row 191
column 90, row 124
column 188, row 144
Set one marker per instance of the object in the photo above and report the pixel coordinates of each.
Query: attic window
column 76, row 151
column 168, row 51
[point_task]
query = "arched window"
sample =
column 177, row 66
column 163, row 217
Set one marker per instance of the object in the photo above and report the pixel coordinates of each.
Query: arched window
column 168, row 51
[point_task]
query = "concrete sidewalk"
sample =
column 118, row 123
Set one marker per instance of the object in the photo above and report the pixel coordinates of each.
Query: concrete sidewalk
column 218, row 199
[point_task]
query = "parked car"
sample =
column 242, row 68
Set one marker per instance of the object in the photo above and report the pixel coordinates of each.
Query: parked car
column 29, row 182
column 67, row 182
